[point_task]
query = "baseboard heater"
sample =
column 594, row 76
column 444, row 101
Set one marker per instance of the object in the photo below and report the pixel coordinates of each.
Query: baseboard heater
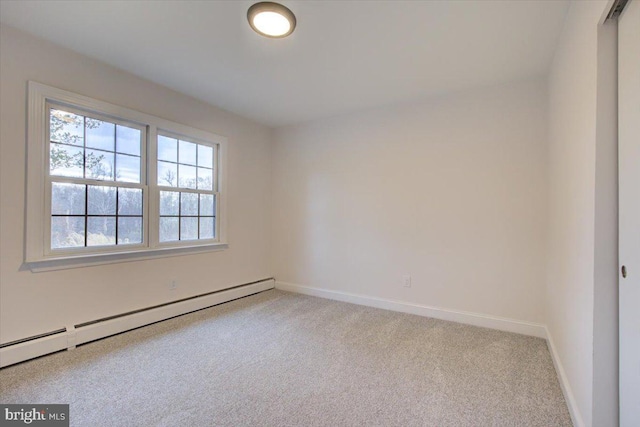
column 71, row 336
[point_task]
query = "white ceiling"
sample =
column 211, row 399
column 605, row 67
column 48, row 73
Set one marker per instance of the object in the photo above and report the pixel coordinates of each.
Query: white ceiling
column 343, row 56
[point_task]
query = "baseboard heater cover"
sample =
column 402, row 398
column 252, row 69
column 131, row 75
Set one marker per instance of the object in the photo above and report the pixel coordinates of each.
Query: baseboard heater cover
column 70, row 337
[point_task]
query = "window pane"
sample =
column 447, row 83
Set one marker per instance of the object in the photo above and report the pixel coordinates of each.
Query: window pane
column 187, row 176
column 100, row 134
column 167, row 174
column 205, row 179
column 128, row 140
column 205, row 156
column 188, row 228
column 129, row 230
column 169, row 203
column 187, row 153
column 206, row 227
column 101, row 231
column 189, row 204
column 65, row 160
column 127, row 168
column 67, row 199
column 66, row 127
column 129, row 201
column 67, row 232
column 102, row 200
column 207, row 206
column 168, row 229
column 167, row 149
column 99, row 165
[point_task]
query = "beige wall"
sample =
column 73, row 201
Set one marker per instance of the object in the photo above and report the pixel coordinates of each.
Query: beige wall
column 573, row 83
column 32, row 303
column 451, row 191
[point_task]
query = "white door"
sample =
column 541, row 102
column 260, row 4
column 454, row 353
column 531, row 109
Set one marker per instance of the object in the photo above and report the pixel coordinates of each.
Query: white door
column 629, row 193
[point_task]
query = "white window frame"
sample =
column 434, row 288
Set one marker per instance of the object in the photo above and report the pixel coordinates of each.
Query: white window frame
column 38, row 256
column 215, row 188
column 49, row 179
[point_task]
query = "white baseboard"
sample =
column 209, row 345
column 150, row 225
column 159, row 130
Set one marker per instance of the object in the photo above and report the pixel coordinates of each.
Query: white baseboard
column 20, row 352
column 564, row 383
column 475, row 319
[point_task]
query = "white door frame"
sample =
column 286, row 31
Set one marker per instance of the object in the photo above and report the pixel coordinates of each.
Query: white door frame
column 629, row 211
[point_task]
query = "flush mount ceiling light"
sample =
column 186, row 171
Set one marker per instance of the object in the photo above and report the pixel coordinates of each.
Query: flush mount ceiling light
column 271, row 19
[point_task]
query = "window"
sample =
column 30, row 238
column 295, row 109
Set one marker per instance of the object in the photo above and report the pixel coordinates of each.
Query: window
column 187, row 200
column 107, row 183
column 95, row 165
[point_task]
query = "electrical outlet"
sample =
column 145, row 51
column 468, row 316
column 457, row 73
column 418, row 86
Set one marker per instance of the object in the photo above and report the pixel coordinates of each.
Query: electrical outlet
column 406, row 281
column 173, row 285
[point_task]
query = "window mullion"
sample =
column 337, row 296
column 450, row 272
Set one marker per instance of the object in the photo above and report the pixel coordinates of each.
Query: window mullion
column 86, row 215
column 152, row 225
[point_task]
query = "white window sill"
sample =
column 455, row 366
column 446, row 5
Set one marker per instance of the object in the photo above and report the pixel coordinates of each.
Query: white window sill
column 78, row 261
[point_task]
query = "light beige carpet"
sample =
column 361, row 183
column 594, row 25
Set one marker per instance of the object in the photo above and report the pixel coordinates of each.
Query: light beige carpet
column 282, row 359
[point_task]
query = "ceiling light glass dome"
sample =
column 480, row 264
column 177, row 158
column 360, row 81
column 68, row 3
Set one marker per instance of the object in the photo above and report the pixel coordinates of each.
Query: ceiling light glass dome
column 271, row 19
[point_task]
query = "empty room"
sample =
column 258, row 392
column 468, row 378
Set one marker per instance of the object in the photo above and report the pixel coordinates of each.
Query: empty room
column 320, row 213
